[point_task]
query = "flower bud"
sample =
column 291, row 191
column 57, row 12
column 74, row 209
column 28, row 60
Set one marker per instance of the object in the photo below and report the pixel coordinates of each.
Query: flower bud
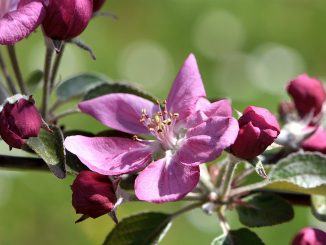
column 310, row 236
column 316, row 142
column 97, row 5
column 258, row 129
column 308, row 95
column 286, row 110
column 19, row 120
column 67, row 19
column 93, row 194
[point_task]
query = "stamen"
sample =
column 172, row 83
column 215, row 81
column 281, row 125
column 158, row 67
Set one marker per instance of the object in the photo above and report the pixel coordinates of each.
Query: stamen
column 161, row 124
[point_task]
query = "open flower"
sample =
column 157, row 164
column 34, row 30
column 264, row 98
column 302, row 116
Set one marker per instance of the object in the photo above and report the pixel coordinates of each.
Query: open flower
column 19, row 18
column 188, row 131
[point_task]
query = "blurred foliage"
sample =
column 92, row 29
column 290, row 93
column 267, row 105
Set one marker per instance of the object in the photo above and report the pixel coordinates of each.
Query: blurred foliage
column 246, row 50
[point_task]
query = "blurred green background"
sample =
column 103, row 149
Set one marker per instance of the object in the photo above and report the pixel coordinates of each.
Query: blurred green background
column 246, row 50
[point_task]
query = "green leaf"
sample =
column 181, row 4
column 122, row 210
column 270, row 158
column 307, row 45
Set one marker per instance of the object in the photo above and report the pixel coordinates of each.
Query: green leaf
column 300, row 172
column 264, row 210
column 319, row 207
column 34, row 79
column 242, row 236
column 49, row 146
column 78, row 86
column 108, row 88
column 140, row 229
column 259, row 168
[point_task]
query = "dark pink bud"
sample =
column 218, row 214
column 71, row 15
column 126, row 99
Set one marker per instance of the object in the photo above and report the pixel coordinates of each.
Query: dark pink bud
column 67, row 19
column 19, row 120
column 286, row 110
column 97, row 4
column 93, row 194
column 308, row 95
column 310, row 236
column 258, row 129
column 316, row 142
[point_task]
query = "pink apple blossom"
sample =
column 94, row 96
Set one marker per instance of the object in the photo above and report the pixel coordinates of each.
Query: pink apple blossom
column 188, row 131
column 19, row 18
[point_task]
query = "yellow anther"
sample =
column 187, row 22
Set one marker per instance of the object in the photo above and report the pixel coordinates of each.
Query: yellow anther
column 157, row 118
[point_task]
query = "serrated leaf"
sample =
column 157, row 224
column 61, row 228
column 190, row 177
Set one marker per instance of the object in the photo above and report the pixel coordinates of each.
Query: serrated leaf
column 108, row 88
column 140, row 229
column 300, row 172
column 242, row 236
column 264, row 210
column 49, row 146
column 34, row 79
column 319, row 207
column 78, row 86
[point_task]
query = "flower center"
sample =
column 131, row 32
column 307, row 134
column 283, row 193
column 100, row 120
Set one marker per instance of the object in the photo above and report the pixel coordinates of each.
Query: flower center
column 161, row 125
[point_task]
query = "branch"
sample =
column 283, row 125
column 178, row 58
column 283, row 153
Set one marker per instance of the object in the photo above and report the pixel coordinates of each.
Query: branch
column 22, row 163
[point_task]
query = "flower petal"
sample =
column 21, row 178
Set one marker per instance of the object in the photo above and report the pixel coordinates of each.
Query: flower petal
column 206, row 142
column 120, row 111
column 18, row 24
column 166, row 181
column 110, row 156
column 260, row 117
column 186, row 89
column 206, row 110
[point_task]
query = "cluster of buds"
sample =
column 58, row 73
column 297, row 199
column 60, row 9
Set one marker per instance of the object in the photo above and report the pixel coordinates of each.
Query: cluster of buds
column 303, row 115
column 60, row 20
column 19, row 120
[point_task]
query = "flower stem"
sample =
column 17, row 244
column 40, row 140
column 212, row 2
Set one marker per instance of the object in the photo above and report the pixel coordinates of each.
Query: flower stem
column 222, row 166
column 22, row 163
column 248, row 188
column 228, row 176
column 55, row 67
column 5, row 72
column 223, row 223
column 15, row 65
column 46, row 85
column 65, row 113
column 186, row 209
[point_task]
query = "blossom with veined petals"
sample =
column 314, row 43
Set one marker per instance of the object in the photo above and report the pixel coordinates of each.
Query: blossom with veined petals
column 189, row 130
column 19, row 18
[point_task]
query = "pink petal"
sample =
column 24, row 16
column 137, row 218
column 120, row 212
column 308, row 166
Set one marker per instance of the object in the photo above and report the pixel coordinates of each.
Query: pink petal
column 260, row 117
column 120, row 111
column 109, row 156
column 165, row 181
column 206, row 142
column 18, row 24
column 206, row 110
column 186, row 89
